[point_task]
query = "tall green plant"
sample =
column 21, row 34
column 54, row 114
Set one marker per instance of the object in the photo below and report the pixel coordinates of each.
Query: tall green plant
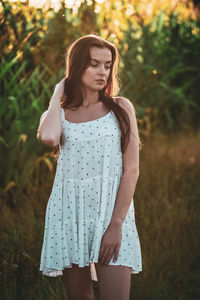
column 25, row 96
column 161, row 71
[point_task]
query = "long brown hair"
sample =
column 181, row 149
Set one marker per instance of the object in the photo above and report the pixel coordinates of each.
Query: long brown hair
column 77, row 60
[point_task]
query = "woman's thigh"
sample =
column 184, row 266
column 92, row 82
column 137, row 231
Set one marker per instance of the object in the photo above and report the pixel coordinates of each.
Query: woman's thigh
column 78, row 283
column 113, row 281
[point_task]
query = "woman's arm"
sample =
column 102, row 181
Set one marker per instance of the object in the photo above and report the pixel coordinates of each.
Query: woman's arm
column 50, row 127
column 130, row 168
column 41, row 119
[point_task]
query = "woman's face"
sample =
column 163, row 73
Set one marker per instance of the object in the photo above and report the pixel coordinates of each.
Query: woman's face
column 99, row 69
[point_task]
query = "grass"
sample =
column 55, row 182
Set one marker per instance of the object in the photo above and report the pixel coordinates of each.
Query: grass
column 166, row 205
column 167, row 218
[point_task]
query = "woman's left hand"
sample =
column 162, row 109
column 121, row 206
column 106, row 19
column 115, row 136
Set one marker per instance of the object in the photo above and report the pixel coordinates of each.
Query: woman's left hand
column 111, row 242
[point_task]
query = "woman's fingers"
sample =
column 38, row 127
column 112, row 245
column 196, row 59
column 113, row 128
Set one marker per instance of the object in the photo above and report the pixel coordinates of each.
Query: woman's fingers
column 101, row 253
column 104, row 256
column 116, row 254
column 109, row 255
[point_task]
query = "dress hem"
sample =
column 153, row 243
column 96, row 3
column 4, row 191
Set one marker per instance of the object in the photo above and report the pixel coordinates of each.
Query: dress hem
column 58, row 272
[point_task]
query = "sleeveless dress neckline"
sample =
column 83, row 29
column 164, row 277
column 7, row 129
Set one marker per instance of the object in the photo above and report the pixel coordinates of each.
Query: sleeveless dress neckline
column 104, row 116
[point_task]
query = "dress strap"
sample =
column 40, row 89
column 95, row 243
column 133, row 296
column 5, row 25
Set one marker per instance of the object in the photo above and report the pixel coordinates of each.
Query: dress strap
column 62, row 114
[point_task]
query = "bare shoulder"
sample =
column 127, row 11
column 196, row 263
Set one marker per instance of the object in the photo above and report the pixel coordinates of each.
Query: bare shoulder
column 126, row 104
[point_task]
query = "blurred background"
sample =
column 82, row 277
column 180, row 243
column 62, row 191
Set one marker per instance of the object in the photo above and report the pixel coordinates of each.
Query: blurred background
column 159, row 46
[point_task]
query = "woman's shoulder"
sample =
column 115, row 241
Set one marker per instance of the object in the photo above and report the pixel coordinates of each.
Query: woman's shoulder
column 124, row 102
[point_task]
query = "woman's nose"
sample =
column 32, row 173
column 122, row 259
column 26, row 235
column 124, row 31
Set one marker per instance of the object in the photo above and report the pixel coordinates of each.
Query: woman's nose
column 102, row 70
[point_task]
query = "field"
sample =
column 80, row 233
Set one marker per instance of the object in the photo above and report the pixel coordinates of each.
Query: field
column 167, row 218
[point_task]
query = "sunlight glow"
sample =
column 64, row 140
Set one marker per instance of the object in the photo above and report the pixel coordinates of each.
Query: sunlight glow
column 100, row 1
column 147, row 9
column 118, row 5
column 55, row 4
column 116, row 23
column 129, row 10
column 39, row 3
column 69, row 3
column 97, row 9
column 89, row 2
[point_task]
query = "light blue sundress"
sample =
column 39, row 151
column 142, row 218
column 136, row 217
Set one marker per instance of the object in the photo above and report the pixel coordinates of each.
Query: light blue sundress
column 82, row 199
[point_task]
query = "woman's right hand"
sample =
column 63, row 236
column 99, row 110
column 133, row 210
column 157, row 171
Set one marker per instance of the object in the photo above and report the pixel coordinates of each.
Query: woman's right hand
column 59, row 88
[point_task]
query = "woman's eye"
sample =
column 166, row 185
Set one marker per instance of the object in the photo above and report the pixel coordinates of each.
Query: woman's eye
column 107, row 67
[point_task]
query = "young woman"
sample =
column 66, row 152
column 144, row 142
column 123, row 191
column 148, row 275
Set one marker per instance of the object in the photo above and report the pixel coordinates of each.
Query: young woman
column 90, row 231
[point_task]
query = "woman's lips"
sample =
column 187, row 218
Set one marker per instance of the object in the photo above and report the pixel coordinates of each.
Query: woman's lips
column 100, row 81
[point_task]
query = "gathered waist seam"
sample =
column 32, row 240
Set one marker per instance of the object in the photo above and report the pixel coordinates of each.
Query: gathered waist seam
column 91, row 178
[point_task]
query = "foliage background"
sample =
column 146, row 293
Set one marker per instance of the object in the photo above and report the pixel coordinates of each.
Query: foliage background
column 159, row 70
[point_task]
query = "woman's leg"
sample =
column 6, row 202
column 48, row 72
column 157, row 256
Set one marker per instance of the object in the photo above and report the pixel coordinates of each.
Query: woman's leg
column 78, row 283
column 113, row 281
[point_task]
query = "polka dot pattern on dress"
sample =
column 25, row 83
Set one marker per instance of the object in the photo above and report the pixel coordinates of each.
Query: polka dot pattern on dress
column 82, row 199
